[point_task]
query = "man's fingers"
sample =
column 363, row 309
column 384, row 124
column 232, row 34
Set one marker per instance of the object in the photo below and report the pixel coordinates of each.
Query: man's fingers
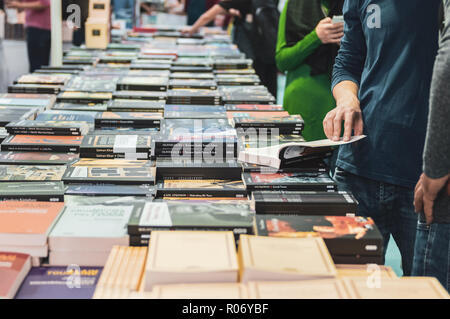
column 428, row 209
column 418, row 199
column 348, row 125
column 358, row 125
column 337, row 125
column 328, row 124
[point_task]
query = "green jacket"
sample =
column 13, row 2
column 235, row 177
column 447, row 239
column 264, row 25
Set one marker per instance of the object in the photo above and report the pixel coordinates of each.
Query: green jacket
column 309, row 96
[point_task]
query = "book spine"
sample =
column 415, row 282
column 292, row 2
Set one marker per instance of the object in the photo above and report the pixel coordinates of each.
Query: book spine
column 33, row 198
column 200, row 193
column 38, row 132
column 41, row 148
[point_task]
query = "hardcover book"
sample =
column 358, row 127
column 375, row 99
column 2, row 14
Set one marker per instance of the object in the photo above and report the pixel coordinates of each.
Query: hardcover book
column 27, row 223
column 32, row 191
column 200, row 188
column 238, row 217
column 140, row 95
column 128, row 119
column 29, row 173
column 226, row 169
column 304, row 203
column 110, row 190
column 36, row 158
column 28, row 127
column 190, row 257
column 253, row 108
column 83, row 97
column 99, row 107
column 132, row 147
column 111, row 175
column 343, row 235
column 42, row 143
column 201, row 291
column 194, row 112
column 284, row 259
column 13, row 270
column 131, row 83
column 60, row 283
column 125, row 105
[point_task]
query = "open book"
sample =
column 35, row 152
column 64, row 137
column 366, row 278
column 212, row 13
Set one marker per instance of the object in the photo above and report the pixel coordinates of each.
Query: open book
column 274, row 155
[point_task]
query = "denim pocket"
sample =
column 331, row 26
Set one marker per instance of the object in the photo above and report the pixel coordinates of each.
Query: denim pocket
column 422, row 226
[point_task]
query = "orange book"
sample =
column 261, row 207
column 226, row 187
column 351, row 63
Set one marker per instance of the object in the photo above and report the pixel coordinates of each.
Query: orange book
column 13, row 270
column 27, row 223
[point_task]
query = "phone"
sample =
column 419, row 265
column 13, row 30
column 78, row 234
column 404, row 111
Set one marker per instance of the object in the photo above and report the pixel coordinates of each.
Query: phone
column 338, row 19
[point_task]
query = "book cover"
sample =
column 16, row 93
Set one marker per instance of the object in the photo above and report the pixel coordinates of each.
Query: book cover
column 30, row 173
column 27, row 223
column 32, row 191
column 288, row 181
column 128, row 119
column 110, row 190
column 94, row 107
column 200, row 188
column 226, row 169
column 36, row 158
column 237, row 217
column 343, row 235
column 201, row 291
column 124, row 105
column 42, row 143
column 13, row 269
column 120, row 175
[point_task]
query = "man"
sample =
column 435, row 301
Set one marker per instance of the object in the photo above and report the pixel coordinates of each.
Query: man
column 381, row 83
column 432, row 196
column 244, row 36
column 37, row 22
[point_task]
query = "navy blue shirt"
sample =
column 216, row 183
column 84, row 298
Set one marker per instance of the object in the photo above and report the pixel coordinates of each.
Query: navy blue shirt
column 388, row 49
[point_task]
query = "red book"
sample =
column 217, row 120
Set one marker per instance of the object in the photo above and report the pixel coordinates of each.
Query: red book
column 13, row 270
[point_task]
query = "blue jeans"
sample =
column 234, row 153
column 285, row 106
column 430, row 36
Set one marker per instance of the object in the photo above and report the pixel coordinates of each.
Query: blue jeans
column 390, row 206
column 432, row 252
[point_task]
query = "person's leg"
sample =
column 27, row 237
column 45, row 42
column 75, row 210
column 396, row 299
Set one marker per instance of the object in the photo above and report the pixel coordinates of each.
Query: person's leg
column 432, row 252
column 404, row 225
column 371, row 199
column 46, row 47
column 33, row 48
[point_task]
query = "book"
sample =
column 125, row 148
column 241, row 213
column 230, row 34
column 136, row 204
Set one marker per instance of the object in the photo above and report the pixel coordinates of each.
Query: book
column 343, row 235
column 67, row 116
column 36, row 158
column 304, row 203
column 194, row 112
column 131, row 83
column 122, row 272
column 60, row 79
column 196, row 76
column 226, row 169
column 192, row 84
column 273, row 155
column 110, row 190
column 61, row 128
column 95, row 84
column 193, row 96
column 32, row 191
column 253, row 108
column 364, row 271
column 27, row 100
column 132, row 147
column 42, row 143
column 110, row 175
column 288, row 181
column 30, row 173
column 124, row 105
column 236, row 217
column 83, row 97
column 305, row 289
column 128, row 119
column 10, row 114
column 140, row 95
column 284, row 259
column 72, row 282
column 200, row 291
column 281, row 120
column 35, row 88
column 200, row 188
column 27, row 223
column 190, row 257
column 13, row 269
column 398, row 288
column 95, row 107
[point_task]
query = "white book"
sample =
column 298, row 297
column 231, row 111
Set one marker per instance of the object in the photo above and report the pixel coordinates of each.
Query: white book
column 273, row 155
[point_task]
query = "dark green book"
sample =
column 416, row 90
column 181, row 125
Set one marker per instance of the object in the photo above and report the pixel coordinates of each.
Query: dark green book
column 32, row 191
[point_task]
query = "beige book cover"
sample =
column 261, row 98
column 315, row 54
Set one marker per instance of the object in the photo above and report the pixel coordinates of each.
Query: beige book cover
column 271, row 259
column 201, row 291
column 400, row 288
column 304, row 289
column 365, row 271
column 191, row 257
column 123, row 272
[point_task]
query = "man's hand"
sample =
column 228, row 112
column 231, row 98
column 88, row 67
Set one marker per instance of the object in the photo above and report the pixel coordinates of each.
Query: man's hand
column 235, row 13
column 425, row 194
column 329, row 32
column 347, row 110
column 187, row 30
column 13, row 4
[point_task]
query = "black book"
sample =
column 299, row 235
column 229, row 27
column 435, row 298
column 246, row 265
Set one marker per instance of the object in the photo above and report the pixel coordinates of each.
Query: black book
column 36, row 158
column 235, row 217
column 35, row 88
column 11, row 114
column 140, row 95
column 28, row 127
column 304, row 203
column 136, row 106
column 32, row 191
column 167, row 168
column 110, row 190
column 133, row 83
column 190, row 69
column 288, row 181
column 150, row 66
column 192, row 84
column 128, row 119
column 110, row 175
column 343, row 235
column 139, row 240
column 201, row 188
column 42, row 143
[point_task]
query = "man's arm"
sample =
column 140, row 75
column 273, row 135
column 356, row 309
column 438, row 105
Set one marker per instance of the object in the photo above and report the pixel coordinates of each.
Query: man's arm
column 206, row 18
column 34, row 5
column 436, row 157
column 347, row 72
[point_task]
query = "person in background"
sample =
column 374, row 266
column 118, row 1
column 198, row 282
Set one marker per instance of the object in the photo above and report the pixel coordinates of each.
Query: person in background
column 432, row 193
column 123, row 10
column 381, row 83
column 37, row 23
column 243, row 30
column 308, row 42
column 195, row 8
column 3, row 65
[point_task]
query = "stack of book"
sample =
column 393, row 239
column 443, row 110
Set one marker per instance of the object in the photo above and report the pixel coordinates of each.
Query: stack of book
column 273, row 123
column 116, row 146
column 128, row 119
column 193, row 96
